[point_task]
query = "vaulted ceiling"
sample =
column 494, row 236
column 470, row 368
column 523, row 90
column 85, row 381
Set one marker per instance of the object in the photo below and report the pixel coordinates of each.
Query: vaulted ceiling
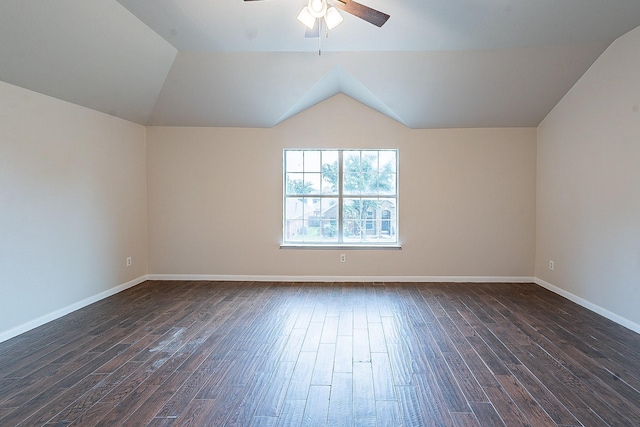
column 434, row 64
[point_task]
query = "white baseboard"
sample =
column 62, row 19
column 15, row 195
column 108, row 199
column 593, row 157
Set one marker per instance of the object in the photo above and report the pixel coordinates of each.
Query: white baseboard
column 32, row 324
column 588, row 305
column 261, row 278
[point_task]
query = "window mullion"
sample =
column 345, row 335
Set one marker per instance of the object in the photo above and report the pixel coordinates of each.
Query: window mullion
column 340, row 202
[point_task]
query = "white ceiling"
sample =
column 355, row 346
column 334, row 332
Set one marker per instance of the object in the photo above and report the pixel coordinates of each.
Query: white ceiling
column 434, row 64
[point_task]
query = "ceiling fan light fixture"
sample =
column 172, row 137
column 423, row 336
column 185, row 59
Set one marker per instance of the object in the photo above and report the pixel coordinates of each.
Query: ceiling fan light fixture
column 307, row 18
column 332, row 18
column 317, row 8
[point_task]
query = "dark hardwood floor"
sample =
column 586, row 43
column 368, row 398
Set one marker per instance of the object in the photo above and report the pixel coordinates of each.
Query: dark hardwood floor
column 291, row 354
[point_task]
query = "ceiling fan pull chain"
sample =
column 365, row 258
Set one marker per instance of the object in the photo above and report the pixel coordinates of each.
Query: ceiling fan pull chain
column 319, row 38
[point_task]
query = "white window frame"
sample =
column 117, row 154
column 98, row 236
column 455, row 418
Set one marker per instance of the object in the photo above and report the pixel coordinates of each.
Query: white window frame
column 393, row 223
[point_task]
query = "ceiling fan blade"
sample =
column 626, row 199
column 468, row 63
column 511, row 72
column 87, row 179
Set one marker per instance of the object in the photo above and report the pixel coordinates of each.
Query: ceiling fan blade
column 372, row 16
column 313, row 32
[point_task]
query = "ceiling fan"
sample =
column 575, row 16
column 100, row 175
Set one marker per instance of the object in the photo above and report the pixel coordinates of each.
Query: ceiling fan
column 326, row 9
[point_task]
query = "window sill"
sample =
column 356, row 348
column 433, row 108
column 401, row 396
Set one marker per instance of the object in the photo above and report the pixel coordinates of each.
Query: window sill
column 341, row 247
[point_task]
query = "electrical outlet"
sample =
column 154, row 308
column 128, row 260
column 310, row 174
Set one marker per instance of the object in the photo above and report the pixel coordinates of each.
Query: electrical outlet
column 129, row 261
column 343, row 258
column 551, row 265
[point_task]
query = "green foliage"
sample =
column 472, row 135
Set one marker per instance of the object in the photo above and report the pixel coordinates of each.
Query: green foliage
column 361, row 175
column 298, row 186
column 330, row 176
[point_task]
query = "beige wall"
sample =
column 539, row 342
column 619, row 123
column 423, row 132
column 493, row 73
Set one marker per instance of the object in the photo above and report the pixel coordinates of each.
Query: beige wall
column 72, row 206
column 467, row 198
column 588, row 191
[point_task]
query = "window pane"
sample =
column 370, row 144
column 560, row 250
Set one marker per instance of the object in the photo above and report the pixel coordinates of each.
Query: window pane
column 385, row 221
column 312, row 183
column 387, row 183
column 351, row 161
column 294, row 161
column 329, row 208
column 387, row 161
column 387, row 178
column 369, row 161
column 351, row 183
column 295, row 224
column 329, row 172
column 351, row 208
column 312, row 161
column 329, row 220
column 370, row 183
column 295, row 183
column 352, row 230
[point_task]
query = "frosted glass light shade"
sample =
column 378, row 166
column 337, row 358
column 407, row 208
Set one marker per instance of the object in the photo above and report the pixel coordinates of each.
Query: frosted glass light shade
column 333, row 18
column 306, row 18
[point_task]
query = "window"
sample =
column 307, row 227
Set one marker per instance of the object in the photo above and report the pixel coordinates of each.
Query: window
column 340, row 197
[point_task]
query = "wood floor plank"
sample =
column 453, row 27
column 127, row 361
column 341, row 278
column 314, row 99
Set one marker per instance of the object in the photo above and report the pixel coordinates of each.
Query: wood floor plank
column 345, row 324
column 263, row 422
column 506, row 408
column 413, row 345
column 361, row 348
column 181, row 353
column 273, row 398
column 525, row 402
column 6, row 411
column 364, row 404
column 432, row 400
column 312, row 337
column 195, row 414
column 250, row 399
column 360, row 315
column 138, row 406
column 401, row 361
column 388, row 413
column 64, row 399
column 317, row 406
column 466, row 419
column 294, row 345
column 400, row 364
column 292, row 413
column 341, row 400
column 330, row 330
column 551, row 405
column 153, row 403
column 343, row 361
column 486, row 414
column 467, row 383
column 38, row 395
column 190, row 388
column 382, row 377
column 453, row 395
column 411, row 411
column 323, row 369
column 65, row 351
column 84, row 403
column 376, row 338
column 302, row 375
column 92, row 416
